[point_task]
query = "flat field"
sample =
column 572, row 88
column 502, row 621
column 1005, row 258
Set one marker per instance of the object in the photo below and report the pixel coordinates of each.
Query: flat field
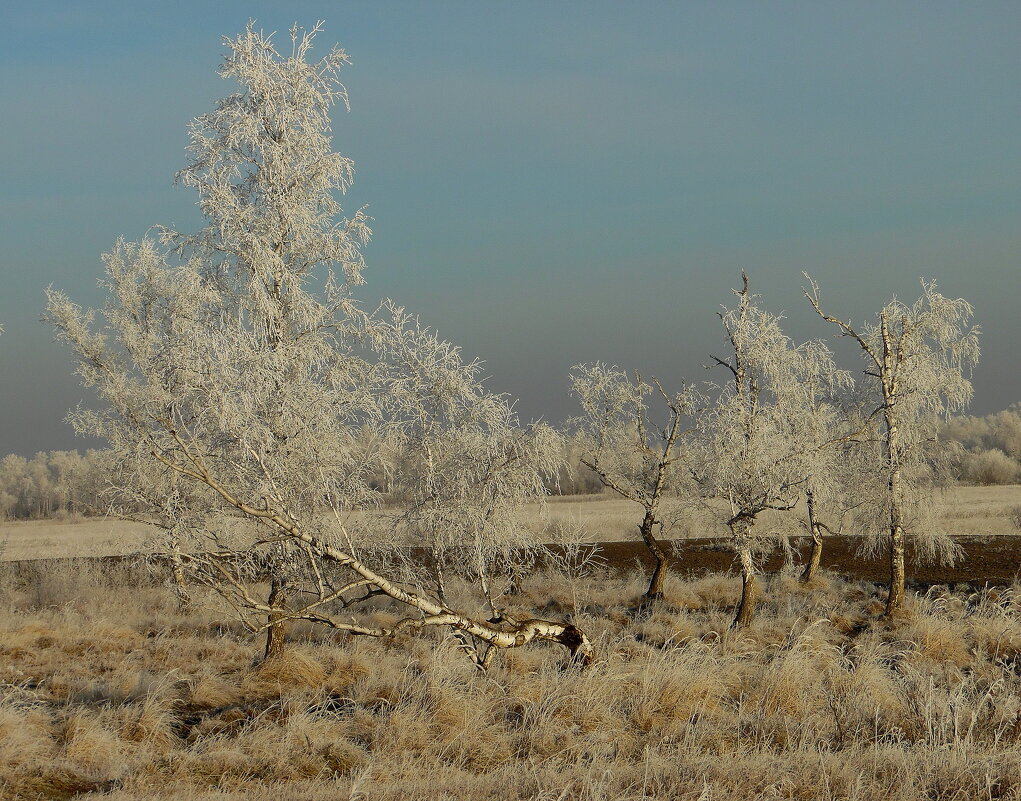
column 978, row 511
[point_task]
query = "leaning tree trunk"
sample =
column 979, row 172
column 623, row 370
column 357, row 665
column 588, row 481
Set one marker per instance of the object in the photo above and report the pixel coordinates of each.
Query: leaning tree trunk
column 428, row 612
column 276, row 630
column 655, row 591
column 812, row 566
column 749, row 585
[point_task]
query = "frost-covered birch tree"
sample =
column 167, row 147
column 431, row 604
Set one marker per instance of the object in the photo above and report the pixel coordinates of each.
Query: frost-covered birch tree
column 754, row 445
column 239, row 378
column 466, row 468
column 918, row 360
column 630, row 453
column 834, row 432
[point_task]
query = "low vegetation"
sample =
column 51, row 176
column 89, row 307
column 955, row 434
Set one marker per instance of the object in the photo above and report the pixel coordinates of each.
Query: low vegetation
column 108, row 687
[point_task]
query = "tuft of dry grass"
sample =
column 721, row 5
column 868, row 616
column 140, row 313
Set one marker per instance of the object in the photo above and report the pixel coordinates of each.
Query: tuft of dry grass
column 291, row 670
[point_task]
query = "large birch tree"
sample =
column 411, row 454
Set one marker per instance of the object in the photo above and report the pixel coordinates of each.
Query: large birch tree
column 239, row 377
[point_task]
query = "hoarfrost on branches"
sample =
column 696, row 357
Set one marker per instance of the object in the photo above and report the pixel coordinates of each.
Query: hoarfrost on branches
column 918, row 361
column 632, row 456
column 240, row 382
column 756, row 445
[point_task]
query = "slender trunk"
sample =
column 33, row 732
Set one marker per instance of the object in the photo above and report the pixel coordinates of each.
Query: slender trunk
column 895, row 486
column 812, row 566
column 438, row 577
column 177, row 570
column 897, row 575
column 815, row 557
column 655, row 591
column 516, row 577
column 275, row 632
column 749, row 589
column 896, row 489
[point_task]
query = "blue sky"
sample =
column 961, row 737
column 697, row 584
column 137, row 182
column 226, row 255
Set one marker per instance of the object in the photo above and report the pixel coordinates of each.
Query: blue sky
column 551, row 182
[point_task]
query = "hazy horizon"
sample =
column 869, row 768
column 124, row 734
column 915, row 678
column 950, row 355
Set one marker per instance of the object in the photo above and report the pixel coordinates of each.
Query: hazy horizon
column 550, row 184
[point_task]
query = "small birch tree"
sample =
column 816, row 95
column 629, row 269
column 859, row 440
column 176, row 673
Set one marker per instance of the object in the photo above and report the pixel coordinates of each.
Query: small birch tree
column 754, row 445
column 239, row 377
column 918, row 360
column 832, row 489
column 624, row 448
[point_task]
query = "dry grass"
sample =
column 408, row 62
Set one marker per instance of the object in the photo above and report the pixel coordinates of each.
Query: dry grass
column 50, row 539
column 596, row 518
column 108, row 688
column 980, row 510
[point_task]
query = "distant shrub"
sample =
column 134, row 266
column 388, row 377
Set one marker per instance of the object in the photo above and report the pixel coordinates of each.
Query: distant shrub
column 574, row 478
column 991, row 446
column 989, row 467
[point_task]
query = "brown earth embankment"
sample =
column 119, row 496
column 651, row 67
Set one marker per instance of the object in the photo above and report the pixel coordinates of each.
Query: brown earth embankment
column 985, row 560
column 994, row 560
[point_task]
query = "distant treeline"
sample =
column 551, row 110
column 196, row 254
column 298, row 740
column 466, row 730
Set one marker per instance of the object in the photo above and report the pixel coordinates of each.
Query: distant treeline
column 54, row 484
column 991, row 446
column 65, row 484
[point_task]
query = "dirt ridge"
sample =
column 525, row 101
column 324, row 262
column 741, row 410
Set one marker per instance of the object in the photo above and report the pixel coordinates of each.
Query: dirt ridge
column 993, row 560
